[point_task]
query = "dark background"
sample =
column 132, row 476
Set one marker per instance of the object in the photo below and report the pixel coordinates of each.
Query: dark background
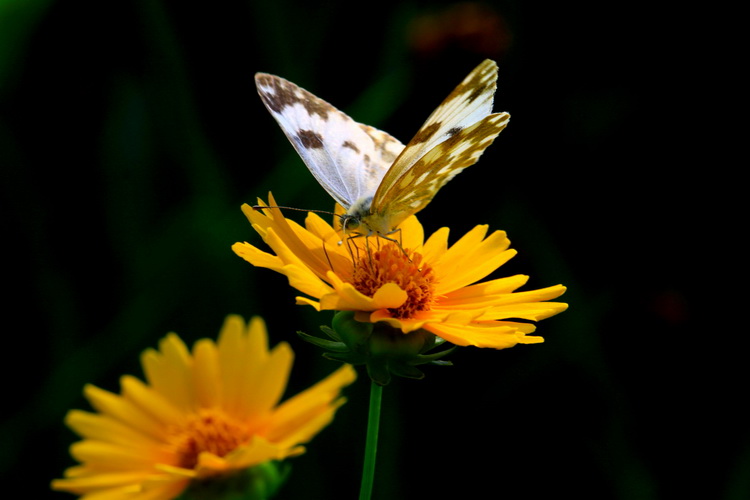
column 131, row 133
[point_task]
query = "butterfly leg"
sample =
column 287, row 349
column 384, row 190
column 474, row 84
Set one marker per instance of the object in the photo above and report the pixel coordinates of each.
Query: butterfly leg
column 396, row 241
column 349, row 244
column 330, row 264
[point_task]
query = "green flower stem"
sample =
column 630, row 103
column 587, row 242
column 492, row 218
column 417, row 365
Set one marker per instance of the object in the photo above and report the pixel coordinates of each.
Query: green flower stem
column 371, row 445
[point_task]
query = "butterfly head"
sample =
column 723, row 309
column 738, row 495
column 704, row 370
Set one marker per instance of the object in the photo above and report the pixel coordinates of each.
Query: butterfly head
column 356, row 215
column 350, row 223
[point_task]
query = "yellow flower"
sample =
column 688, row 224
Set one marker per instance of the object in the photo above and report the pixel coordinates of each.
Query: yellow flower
column 200, row 415
column 410, row 284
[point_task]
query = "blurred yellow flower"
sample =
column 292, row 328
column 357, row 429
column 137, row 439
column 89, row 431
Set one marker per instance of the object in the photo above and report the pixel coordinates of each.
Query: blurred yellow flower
column 410, row 285
column 199, row 415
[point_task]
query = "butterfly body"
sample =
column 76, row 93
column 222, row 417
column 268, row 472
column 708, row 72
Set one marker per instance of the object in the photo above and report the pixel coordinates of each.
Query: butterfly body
column 379, row 181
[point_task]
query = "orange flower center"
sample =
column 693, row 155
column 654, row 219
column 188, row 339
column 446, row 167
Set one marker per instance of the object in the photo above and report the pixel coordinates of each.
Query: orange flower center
column 390, row 264
column 211, row 431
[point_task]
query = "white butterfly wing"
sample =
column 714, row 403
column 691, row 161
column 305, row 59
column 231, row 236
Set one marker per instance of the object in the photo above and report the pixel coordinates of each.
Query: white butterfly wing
column 347, row 158
column 463, row 125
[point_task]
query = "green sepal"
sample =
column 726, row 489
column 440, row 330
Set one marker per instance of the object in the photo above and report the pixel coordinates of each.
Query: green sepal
column 330, row 332
column 345, row 357
column 442, row 363
column 407, row 371
column 435, row 358
column 386, row 351
column 323, row 343
column 379, row 372
column 260, row 482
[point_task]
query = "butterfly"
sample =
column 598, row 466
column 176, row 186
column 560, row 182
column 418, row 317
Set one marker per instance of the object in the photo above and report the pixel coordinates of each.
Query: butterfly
column 374, row 177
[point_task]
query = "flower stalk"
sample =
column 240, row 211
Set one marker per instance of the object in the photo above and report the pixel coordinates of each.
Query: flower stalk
column 371, row 442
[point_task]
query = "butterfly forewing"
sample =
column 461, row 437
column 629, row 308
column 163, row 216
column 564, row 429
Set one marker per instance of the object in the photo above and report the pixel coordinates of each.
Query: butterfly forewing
column 469, row 103
column 421, row 182
column 347, row 158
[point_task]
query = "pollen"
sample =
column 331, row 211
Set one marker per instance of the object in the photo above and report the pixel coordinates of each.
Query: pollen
column 392, row 264
column 211, row 431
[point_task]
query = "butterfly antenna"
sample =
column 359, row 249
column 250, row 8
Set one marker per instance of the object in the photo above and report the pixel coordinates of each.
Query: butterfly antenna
column 258, row 208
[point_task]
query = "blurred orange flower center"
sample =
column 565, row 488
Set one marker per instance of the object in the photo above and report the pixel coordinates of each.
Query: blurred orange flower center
column 210, row 431
column 391, row 265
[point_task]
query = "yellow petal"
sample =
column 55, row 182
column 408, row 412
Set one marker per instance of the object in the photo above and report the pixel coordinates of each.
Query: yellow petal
column 258, row 451
column 348, row 298
column 168, row 371
column 152, row 402
column 496, row 335
column 123, row 411
column 406, row 325
column 320, row 228
column 410, row 234
column 304, row 301
column 109, row 456
column 98, row 427
column 81, row 485
column 534, row 311
column 389, row 295
column 436, row 245
column 264, row 386
column 158, row 492
column 296, row 420
column 207, row 374
column 292, row 243
column 176, row 471
column 305, row 281
column 300, row 275
column 486, row 289
column 234, row 359
column 257, row 257
column 471, row 259
column 468, row 241
column 210, row 464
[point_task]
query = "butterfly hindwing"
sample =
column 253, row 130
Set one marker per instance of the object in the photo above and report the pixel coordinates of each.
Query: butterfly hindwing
column 347, row 158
